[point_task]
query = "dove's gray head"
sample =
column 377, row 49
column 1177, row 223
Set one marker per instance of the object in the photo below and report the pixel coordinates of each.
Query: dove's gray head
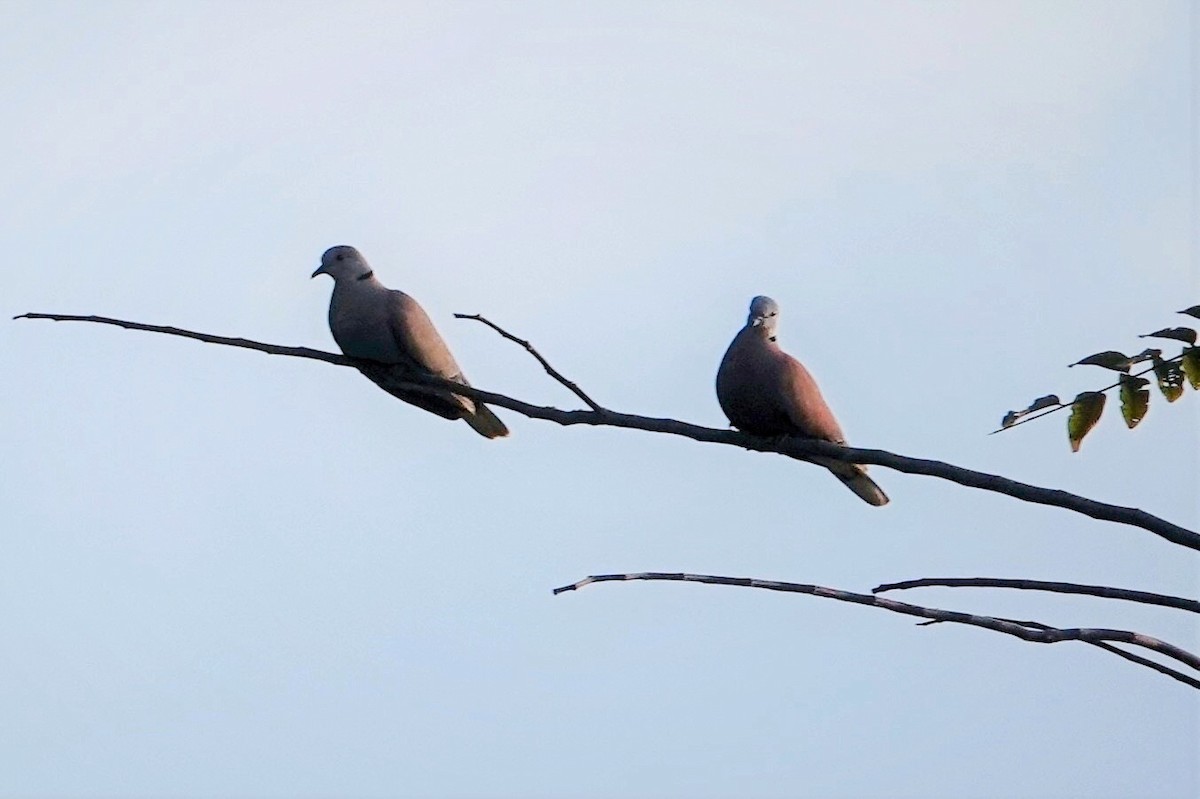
column 764, row 313
column 343, row 263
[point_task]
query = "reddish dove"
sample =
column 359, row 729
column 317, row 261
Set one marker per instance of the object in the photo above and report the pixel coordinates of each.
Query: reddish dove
column 369, row 320
column 766, row 392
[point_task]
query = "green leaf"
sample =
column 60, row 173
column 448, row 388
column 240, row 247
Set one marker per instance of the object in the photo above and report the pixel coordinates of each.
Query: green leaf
column 1085, row 412
column 1191, row 365
column 1170, row 379
column 1109, row 359
column 1185, row 334
column 1135, row 399
column 1193, row 311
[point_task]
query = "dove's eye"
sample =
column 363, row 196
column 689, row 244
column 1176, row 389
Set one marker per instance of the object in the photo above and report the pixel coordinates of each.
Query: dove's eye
column 340, row 256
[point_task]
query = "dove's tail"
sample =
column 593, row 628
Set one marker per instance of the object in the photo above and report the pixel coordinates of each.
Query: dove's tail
column 486, row 423
column 854, row 475
column 865, row 487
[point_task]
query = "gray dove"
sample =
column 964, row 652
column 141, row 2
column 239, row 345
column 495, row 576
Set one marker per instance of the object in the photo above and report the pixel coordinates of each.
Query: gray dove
column 369, row 320
column 766, row 392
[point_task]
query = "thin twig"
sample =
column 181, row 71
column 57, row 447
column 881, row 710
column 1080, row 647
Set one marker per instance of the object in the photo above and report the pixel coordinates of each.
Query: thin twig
column 792, row 447
column 550, row 370
column 1026, row 631
column 1108, row 592
column 1063, row 405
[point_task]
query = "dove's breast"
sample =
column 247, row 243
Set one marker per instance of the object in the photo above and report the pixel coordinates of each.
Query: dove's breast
column 360, row 326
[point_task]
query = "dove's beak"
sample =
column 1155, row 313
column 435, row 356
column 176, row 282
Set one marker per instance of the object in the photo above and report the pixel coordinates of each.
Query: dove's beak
column 319, row 271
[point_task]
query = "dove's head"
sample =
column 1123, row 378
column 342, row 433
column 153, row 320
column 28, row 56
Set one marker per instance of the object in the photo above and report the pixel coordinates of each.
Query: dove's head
column 764, row 313
column 343, row 263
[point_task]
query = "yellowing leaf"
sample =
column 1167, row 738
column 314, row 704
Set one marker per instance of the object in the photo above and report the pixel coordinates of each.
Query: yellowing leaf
column 1135, row 399
column 1109, row 359
column 1185, row 334
column 1085, row 412
column 1191, row 365
column 1170, row 379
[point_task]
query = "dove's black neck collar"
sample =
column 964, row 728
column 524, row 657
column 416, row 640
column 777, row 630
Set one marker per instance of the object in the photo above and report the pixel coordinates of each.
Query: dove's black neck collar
column 367, row 276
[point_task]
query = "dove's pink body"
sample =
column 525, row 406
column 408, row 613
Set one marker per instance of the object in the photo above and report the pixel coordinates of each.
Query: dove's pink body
column 766, row 392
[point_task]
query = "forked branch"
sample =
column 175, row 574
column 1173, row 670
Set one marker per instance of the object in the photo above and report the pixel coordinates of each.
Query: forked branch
column 1034, row 632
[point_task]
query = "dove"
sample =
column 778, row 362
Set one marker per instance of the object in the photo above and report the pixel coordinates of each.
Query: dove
column 766, row 392
column 370, row 321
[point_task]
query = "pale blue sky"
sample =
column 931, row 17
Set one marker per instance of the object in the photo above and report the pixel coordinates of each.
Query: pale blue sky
column 224, row 574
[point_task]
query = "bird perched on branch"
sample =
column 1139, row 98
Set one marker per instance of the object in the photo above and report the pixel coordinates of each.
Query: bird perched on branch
column 766, row 392
column 370, row 321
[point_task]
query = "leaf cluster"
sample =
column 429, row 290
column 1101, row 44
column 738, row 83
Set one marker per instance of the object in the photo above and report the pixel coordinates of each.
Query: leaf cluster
column 1170, row 374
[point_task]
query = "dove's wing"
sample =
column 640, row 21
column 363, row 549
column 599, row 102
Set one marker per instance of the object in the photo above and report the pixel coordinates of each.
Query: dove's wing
column 420, row 343
column 417, row 339
column 798, row 396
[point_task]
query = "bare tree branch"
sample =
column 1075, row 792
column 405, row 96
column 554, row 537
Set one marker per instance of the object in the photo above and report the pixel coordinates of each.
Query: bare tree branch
column 391, row 376
column 550, row 370
column 1108, row 592
column 208, row 338
column 1034, row 632
column 792, row 447
column 1119, row 652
